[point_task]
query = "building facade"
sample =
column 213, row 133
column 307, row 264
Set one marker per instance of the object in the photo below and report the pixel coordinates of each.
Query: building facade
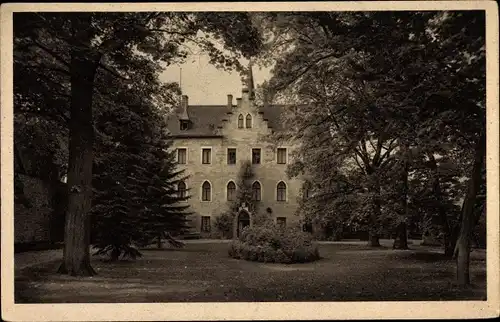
column 212, row 143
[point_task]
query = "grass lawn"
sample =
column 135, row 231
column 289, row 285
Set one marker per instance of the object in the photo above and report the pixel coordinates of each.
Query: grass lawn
column 203, row 272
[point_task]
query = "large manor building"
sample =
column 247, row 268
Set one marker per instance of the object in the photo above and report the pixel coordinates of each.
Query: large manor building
column 212, row 143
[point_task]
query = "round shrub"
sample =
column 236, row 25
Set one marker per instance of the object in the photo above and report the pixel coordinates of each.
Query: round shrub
column 273, row 244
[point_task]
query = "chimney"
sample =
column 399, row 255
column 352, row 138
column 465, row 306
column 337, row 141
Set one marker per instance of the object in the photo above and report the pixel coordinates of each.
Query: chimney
column 245, row 94
column 184, row 108
column 184, row 101
column 229, row 101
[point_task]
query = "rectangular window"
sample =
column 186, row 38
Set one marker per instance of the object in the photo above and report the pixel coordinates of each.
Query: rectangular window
column 206, row 156
column 205, row 224
column 255, row 156
column 231, row 156
column 307, row 227
column 281, row 221
column 181, row 156
column 281, row 156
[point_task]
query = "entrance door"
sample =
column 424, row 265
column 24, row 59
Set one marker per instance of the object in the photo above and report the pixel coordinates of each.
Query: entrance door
column 243, row 221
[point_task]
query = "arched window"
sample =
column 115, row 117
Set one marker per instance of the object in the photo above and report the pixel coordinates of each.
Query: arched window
column 181, row 189
column 231, row 191
column 240, row 121
column 206, row 191
column 281, row 191
column 256, row 191
column 248, row 121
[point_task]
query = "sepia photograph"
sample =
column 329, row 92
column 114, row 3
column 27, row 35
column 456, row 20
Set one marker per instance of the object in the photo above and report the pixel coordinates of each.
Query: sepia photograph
column 210, row 154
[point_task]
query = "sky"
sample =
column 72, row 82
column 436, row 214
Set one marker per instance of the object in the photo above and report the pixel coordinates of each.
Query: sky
column 206, row 85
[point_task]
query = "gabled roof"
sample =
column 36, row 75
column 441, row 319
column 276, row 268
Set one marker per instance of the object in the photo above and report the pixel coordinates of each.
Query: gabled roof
column 205, row 119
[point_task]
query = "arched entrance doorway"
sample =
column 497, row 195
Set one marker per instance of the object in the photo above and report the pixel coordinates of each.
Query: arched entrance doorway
column 243, row 221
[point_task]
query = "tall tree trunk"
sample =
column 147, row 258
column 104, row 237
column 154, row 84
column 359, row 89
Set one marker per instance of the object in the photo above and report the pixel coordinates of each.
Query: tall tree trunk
column 448, row 235
column 374, row 239
column 401, row 240
column 76, row 260
column 158, row 242
column 462, row 248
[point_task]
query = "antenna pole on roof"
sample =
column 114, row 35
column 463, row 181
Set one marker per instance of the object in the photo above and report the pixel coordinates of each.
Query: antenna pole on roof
column 180, row 79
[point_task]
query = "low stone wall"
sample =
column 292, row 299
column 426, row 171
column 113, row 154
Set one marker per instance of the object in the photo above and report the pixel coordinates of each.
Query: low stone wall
column 35, row 219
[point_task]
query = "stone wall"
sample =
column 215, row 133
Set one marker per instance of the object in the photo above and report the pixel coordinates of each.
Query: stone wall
column 32, row 221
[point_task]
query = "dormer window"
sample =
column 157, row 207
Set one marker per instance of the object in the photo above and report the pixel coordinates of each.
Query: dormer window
column 184, row 125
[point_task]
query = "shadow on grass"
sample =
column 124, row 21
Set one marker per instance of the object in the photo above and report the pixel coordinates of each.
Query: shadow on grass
column 432, row 257
column 429, row 257
column 182, row 249
column 363, row 247
column 116, row 261
column 205, row 273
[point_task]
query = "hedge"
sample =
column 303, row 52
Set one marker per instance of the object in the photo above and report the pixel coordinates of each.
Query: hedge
column 272, row 244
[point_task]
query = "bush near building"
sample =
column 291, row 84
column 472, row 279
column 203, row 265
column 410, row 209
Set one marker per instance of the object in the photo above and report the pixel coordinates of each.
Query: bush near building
column 274, row 244
column 224, row 225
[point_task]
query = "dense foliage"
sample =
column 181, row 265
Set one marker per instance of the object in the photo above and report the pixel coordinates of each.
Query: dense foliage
column 381, row 101
column 136, row 201
column 224, row 224
column 244, row 193
column 274, row 244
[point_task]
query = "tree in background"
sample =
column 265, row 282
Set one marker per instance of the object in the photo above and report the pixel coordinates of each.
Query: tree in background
column 379, row 85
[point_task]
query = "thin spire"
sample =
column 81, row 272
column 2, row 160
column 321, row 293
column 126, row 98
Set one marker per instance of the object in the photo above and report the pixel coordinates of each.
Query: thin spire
column 250, row 84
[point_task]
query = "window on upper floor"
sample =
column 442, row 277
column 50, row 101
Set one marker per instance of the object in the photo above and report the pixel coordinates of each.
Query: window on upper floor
column 256, row 191
column 255, row 156
column 181, row 189
column 231, row 191
column 181, row 156
column 248, row 121
column 281, row 191
column 231, row 156
column 184, row 125
column 206, row 156
column 240, row 121
column 206, row 191
column 281, row 157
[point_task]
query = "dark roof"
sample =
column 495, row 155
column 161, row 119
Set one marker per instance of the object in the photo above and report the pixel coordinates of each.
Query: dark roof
column 205, row 119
